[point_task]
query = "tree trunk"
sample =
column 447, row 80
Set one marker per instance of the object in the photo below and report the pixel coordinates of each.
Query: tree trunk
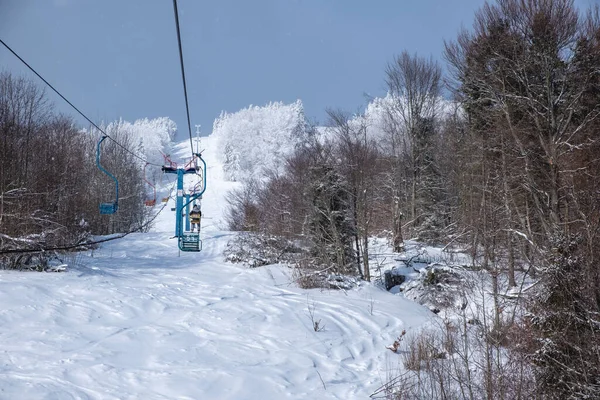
column 511, row 261
column 398, row 241
column 413, row 196
column 366, row 269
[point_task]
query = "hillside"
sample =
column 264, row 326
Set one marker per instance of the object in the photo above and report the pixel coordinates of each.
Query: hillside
column 136, row 319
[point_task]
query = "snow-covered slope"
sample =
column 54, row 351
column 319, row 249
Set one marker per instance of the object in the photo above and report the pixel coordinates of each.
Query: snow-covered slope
column 137, row 320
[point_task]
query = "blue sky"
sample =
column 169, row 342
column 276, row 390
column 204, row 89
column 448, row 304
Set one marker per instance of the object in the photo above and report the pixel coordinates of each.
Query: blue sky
column 118, row 58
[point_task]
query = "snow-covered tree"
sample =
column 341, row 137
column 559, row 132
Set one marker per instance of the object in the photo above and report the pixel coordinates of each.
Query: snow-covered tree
column 151, row 136
column 256, row 139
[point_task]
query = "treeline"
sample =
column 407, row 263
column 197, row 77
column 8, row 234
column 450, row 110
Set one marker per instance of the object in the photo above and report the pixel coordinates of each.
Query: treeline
column 509, row 170
column 255, row 139
column 50, row 187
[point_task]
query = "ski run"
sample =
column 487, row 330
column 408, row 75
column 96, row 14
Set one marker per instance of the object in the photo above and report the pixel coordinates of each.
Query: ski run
column 135, row 319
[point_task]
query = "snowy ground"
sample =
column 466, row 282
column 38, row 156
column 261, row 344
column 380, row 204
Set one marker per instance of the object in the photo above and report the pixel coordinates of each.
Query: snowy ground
column 137, row 320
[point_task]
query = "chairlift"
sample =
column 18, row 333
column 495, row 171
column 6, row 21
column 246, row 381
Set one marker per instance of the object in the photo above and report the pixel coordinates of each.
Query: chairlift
column 187, row 241
column 107, row 208
column 190, row 241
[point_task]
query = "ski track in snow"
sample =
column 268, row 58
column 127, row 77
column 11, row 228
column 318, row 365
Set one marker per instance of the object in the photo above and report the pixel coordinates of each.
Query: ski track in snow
column 135, row 319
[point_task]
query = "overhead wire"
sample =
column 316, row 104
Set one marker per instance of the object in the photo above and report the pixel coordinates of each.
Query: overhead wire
column 85, row 244
column 75, row 108
column 187, row 107
column 143, row 226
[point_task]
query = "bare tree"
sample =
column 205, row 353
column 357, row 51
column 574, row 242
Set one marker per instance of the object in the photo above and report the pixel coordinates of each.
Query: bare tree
column 414, row 84
column 49, row 184
column 528, row 79
column 359, row 163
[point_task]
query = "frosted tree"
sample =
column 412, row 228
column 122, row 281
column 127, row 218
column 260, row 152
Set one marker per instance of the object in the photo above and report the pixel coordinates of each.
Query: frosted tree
column 154, row 136
column 232, row 163
column 257, row 139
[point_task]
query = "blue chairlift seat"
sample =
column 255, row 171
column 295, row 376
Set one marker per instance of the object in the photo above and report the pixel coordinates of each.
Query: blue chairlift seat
column 190, row 241
column 108, row 208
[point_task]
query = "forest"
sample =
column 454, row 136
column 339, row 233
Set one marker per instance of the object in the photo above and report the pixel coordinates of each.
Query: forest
column 50, row 185
column 495, row 153
column 507, row 169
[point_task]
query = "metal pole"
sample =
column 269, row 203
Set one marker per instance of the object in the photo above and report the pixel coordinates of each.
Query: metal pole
column 197, row 137
column 179, row 203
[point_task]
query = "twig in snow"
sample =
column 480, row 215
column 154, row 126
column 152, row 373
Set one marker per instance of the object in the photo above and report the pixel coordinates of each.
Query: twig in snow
column 321, row 378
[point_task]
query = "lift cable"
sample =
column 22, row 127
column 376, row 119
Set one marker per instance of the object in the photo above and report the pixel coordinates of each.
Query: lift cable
column 75, row 108
column 187, row 108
